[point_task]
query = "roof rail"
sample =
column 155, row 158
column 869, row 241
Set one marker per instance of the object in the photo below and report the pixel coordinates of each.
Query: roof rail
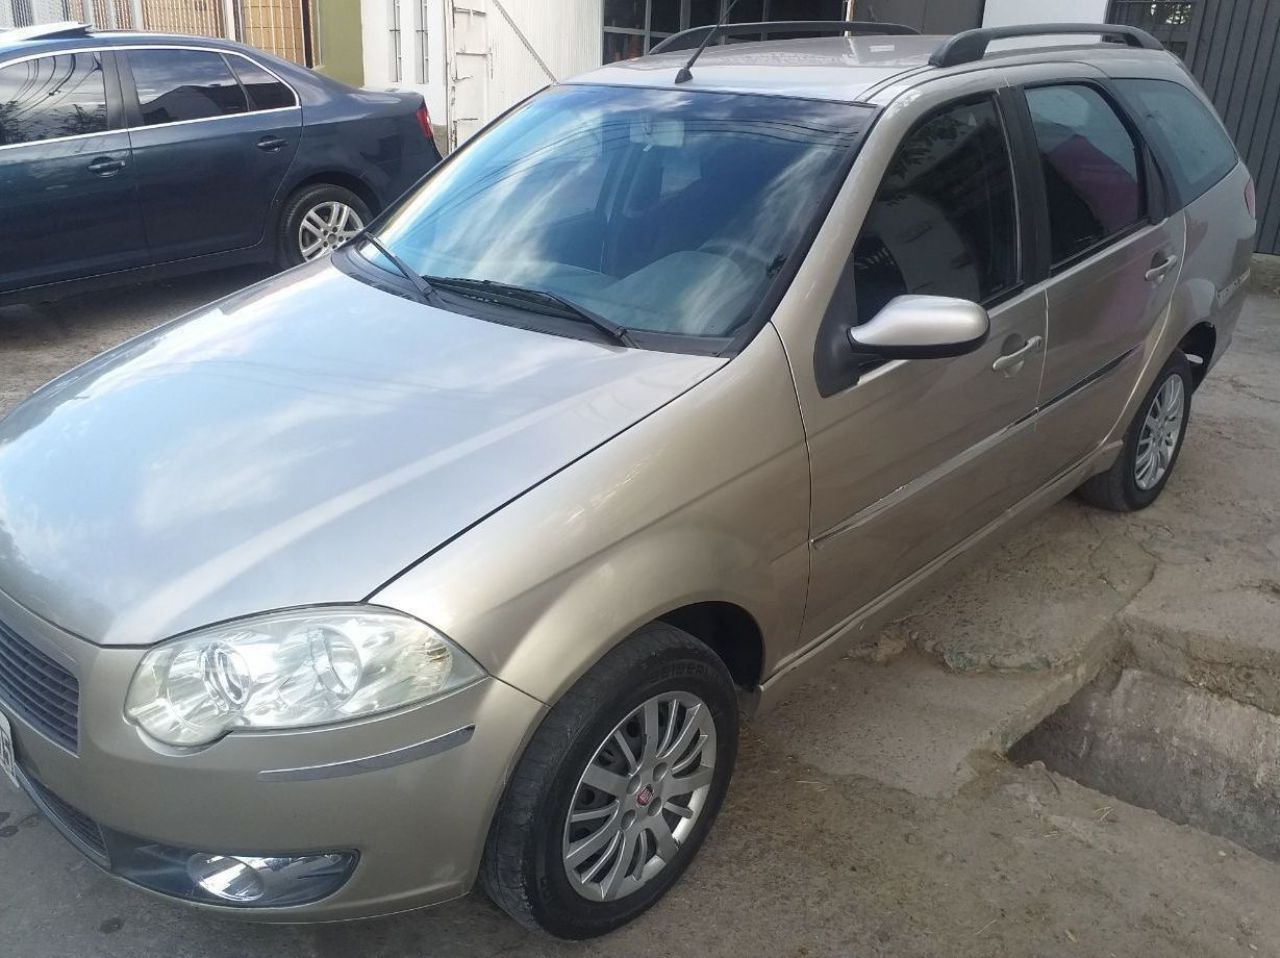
column 45, row 31
column 971, row 45
column 689, row 39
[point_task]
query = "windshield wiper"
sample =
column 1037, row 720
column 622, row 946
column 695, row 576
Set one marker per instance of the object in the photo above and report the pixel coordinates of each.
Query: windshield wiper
column 540, row 300
column 419, row 282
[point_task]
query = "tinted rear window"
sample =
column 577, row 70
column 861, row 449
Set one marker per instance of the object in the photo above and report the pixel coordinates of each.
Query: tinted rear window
column 176, row 85
column 1195, row 148
column 265, row 91
column 1091, row 168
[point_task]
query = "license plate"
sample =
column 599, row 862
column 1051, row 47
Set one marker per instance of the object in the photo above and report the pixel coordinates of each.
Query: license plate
column 8, row 764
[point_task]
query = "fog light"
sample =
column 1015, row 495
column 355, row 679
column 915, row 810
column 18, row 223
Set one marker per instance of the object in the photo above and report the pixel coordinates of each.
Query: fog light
column 249, row 880
column 232, row 879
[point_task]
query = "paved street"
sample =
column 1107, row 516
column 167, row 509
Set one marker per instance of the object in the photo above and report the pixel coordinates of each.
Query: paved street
column 870, row 815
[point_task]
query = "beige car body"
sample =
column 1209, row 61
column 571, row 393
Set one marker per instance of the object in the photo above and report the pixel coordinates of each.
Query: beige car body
column 779, row 525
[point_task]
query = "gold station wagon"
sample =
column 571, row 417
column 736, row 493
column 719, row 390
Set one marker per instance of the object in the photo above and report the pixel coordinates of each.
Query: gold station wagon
column 453, row 555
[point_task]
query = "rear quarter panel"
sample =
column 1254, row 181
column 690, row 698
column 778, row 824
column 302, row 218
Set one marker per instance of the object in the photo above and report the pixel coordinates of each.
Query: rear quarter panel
column 1219, row 243
column 373, row 136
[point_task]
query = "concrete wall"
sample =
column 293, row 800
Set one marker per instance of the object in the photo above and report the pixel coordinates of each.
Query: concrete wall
column 927, row 16
column 340, row 49
column 567, row 34
column 1002, row 12
column 474, row 41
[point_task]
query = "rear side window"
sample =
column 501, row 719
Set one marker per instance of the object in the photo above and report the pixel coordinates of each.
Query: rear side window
column 177, row 85
column 51, row 97
column 264, row 90
column 1091, row 168
column 1193, row 144
column 944, row 220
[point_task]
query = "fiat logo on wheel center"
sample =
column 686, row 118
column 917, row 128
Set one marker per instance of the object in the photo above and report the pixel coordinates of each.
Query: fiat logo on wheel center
column 644, row 796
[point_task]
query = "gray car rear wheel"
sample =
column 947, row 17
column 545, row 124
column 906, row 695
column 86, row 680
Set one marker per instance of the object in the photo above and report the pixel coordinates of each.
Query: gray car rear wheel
column 1151, row 444
column 617, row 789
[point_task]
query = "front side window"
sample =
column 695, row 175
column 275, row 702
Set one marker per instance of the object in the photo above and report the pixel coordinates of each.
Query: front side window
column 665, row 211
column 944, row 221
column 1091, row 168
column 1195, row 147
column 51, row 97
column 178, row 85
column 264, row 90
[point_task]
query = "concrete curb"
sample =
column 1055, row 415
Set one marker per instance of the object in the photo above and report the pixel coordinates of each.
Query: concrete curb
column 1264, row 276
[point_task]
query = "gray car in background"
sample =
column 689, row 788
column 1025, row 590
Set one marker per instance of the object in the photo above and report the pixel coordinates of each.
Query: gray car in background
column 453, row 555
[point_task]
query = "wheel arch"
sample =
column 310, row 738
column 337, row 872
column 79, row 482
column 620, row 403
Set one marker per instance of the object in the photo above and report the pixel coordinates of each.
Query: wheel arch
column 1198, row 345
column 348, row 181
column 730, row 631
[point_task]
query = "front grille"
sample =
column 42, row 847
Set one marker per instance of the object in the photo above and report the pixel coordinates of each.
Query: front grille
column 80, row 825
column 38, row 689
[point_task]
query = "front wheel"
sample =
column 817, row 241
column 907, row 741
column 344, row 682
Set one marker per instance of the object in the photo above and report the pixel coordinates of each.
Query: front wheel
column 1151, row 444
column 617, row 789
column 316, row 220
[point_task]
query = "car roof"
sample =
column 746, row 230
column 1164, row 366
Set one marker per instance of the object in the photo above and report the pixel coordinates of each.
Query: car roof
column 842, row 68
column 20, row 41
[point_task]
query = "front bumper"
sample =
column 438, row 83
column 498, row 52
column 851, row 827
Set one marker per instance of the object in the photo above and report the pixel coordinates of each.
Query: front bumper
column 416, row 815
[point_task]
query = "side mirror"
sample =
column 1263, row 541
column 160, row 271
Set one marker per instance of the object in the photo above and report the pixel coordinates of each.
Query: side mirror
column 922, row 327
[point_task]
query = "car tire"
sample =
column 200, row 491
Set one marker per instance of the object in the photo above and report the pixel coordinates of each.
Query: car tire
column 337, row 214
column 1151, row 444
column 542, row 869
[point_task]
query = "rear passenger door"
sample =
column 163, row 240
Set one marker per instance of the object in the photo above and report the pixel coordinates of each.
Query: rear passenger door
column 1114, row 260
column 213, row 135
column 68, row 207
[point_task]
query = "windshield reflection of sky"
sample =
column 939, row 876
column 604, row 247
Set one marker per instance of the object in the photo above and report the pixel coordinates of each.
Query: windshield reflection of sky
column 662, row 210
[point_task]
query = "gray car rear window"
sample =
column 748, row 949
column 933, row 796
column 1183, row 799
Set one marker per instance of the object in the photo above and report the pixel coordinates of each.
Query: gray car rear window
column 1196, row 149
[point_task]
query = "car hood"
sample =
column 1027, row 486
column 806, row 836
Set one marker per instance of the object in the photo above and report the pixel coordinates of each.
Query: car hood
column 300, row 442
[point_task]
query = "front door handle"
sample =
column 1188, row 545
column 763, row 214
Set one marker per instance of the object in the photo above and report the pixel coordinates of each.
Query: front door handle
column 270, row 144
column 106, row 166
column 1157, row 270
column 1010, row 361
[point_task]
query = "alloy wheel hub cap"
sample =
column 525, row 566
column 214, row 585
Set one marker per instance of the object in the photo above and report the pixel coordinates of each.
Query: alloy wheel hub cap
column 1161, row 430
column 640, row 796
column 325, row 227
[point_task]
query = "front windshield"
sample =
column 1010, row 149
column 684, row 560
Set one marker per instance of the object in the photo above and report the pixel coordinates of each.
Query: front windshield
column 660, row 210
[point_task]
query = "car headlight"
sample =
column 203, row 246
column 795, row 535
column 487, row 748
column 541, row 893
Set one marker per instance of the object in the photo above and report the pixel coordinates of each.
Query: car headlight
column 291, row 669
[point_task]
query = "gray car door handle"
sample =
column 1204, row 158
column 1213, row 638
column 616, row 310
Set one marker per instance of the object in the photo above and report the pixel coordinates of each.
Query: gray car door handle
column 270, row 144
column 1157, row 271
column 1011, row 360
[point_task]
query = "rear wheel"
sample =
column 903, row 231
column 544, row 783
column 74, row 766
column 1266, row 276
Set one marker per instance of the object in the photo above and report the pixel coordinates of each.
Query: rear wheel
column 316, row 220
column 617, row 789
column 1151, row 444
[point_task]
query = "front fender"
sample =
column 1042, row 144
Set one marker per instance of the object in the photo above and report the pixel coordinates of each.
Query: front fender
column 707, row 499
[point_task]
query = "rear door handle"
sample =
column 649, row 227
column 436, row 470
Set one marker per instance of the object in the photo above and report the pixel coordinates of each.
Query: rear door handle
column 106, row 166
column 270, row 144
column 1010, row 361
column 1157, row 270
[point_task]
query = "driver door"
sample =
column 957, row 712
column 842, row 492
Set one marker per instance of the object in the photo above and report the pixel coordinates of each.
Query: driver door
column 911, row 456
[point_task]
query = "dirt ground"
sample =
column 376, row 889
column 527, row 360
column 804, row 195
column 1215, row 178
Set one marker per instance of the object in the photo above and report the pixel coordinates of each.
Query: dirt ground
column 818, row 852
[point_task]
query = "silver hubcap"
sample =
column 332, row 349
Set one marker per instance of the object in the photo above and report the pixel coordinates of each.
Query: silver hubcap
column 640, row 796
column 326, row 227
column 1160, row 431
